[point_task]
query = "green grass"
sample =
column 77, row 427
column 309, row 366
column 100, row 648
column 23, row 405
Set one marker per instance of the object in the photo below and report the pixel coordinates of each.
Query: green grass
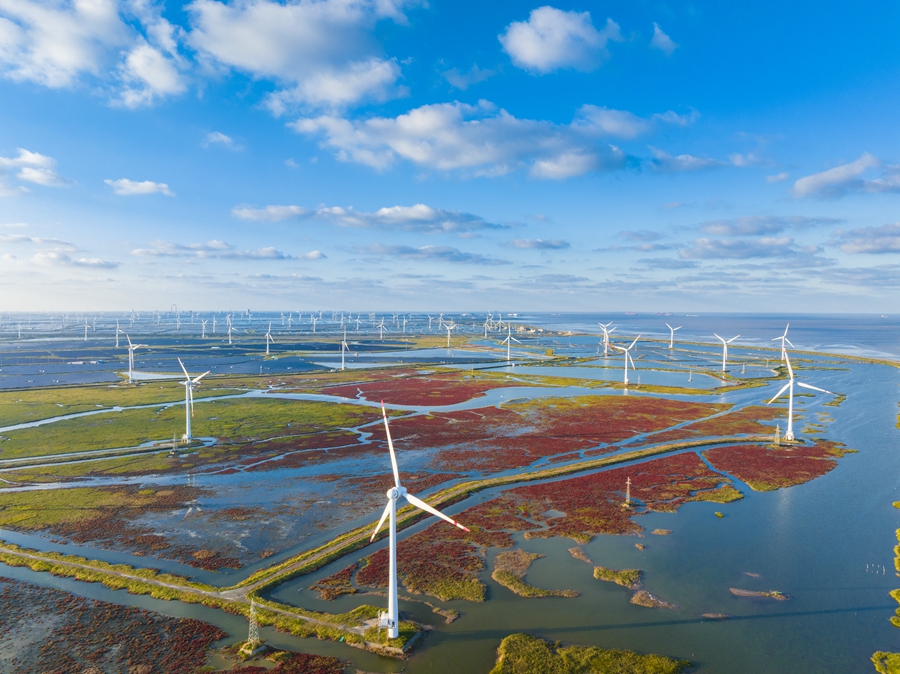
column 886, row 663
column 630, row 578
column 523, row 654
column 510, row 569
column 724, row 494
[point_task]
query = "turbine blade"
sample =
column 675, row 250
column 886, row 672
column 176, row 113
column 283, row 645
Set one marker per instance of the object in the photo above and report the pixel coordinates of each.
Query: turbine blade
column 783, row 389
column 814, row 388
column 184, row 368
column 732, row 339
column 790, row 369
column 387, row 430
column 669, row 326
column 384, row 516
column 789, row 342
column 201, row 376
column 611, row 330
column 718, row 337
column 634, row 342
column 421, row 505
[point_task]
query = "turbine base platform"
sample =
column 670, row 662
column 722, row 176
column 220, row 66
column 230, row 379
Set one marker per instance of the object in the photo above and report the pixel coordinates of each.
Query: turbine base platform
column 251, row 648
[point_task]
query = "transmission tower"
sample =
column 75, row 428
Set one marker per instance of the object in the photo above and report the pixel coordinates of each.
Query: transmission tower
column 628, row 493
column 253, row 638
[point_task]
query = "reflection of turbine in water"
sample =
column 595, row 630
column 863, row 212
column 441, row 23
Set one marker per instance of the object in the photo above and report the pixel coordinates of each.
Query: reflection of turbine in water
column 390, row 618
column 789, row 434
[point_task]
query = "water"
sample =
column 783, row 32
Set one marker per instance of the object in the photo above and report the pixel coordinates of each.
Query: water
column 813, row 541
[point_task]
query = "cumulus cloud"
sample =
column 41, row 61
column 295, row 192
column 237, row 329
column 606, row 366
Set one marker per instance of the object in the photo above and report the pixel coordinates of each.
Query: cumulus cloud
column 30, row 167
column 883, row 239
column 269, row 213
column 841, row 180
column 642, row 235
column 61, row 44
column 666, row 163
column 539, row 244
column 456, row 136
column 464, row 80
column 216, row 250
column 220, row 139
column 320, row 52
column 662, row 41
column 743, row 249
column 126, row 187
column 553, row 39
column 429, row 253
column 57, row 259
column 759, row 225
column 777, row 178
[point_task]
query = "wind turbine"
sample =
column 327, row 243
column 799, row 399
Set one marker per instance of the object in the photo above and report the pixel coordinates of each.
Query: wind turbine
column 449, row 327
column 725, row 349
column 313, row 319
column 508, row 341
column 131, row 349
column 627, row 356
column 230, row 328
column 606, row 330
column 269, row 338
column 380, row 327
column 214, row 325
column 672, row 335
column 189, row 400
column 203, row 329
column 117, row 333
column 390, row 618
column 789, row 435
column 784, row 339
column 343, row 347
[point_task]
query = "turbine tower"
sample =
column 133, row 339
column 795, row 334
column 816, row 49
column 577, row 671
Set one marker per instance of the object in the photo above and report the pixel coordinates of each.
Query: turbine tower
column 725, row 344
column 131, row 348
column 390, row 618
column 606, row 330
column 189, row 400
column 344, row 347
column 269, row 338
column 672, row 335
column 508, row 341
column 449, row 327
column 789, row 434
column 627, row 356
column 784, row 339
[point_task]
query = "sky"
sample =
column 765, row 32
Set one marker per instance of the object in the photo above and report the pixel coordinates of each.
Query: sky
column 449, row 155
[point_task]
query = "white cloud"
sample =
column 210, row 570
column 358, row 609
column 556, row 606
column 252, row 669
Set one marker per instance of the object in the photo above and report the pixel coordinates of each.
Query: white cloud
column 538, row 244
column 553, row 38
column 429, row 254
column 749, row 159
column 777, row 178
column 625, row 124
column 455, row 136
column 127, row 187
column 662, row 41
column 883, row 239
column 664, row 162
column 216, row 250
column 756, row 225
column 21, row 238
column 219, row 138
column 312, row 255
column 464, row 80
column 33, row 167
column 743, row 249
column 840, row 180
column 321, row 52
column 269, row 213
column 56, row 259
column 60, row 44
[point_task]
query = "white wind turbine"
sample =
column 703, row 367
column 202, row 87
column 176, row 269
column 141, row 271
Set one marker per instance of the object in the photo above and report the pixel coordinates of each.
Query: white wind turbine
column 131, row 349
column 117, row 333
column 725, row 344
column 789, row 435
column 672, row 335
column 269, row 338
column 189, row 400
column 230, row 329
column 380, row 327
column 628, row 357
column 86, row 328
column 606, row 330
column 313, row 319
column 449, row 327
column 784, row 339
column 390, row 618
column 508, row 341
column 344, row 347
column 203, row 329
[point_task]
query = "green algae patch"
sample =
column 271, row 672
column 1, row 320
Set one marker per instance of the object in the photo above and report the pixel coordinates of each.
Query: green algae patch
column 523, row 654
column 510, row 569
column 886, row 663
column 724, row 494
column 630, row 578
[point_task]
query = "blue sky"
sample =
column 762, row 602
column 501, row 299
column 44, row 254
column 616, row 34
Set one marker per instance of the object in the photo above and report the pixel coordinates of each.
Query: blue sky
column 383, row 154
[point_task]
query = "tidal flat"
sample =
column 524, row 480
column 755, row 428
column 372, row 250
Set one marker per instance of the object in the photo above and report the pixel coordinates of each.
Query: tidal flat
column 293, row 461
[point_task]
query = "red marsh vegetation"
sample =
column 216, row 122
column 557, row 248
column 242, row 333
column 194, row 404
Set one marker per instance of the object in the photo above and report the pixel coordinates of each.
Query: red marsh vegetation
column 765, row 468
column 744, row 421
column 422, row 390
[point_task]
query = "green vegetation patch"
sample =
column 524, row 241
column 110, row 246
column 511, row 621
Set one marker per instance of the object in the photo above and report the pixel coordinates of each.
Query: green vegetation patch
column 886, row 663
column 523, row 654
column 510, row 569
column 630, row 578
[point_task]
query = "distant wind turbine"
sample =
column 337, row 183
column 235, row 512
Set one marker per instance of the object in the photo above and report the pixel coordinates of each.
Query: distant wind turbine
column 203, row 329
column 672, row 335
column 784, row 339
column 131, row 350
column 344, row 347
column 390, row 618
column 269, row 338
column 725, row 349
column 789, row 435
column 189, row 385
column 606, row 331
column 508, row 341
column 449, row 327
column 627, row 356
